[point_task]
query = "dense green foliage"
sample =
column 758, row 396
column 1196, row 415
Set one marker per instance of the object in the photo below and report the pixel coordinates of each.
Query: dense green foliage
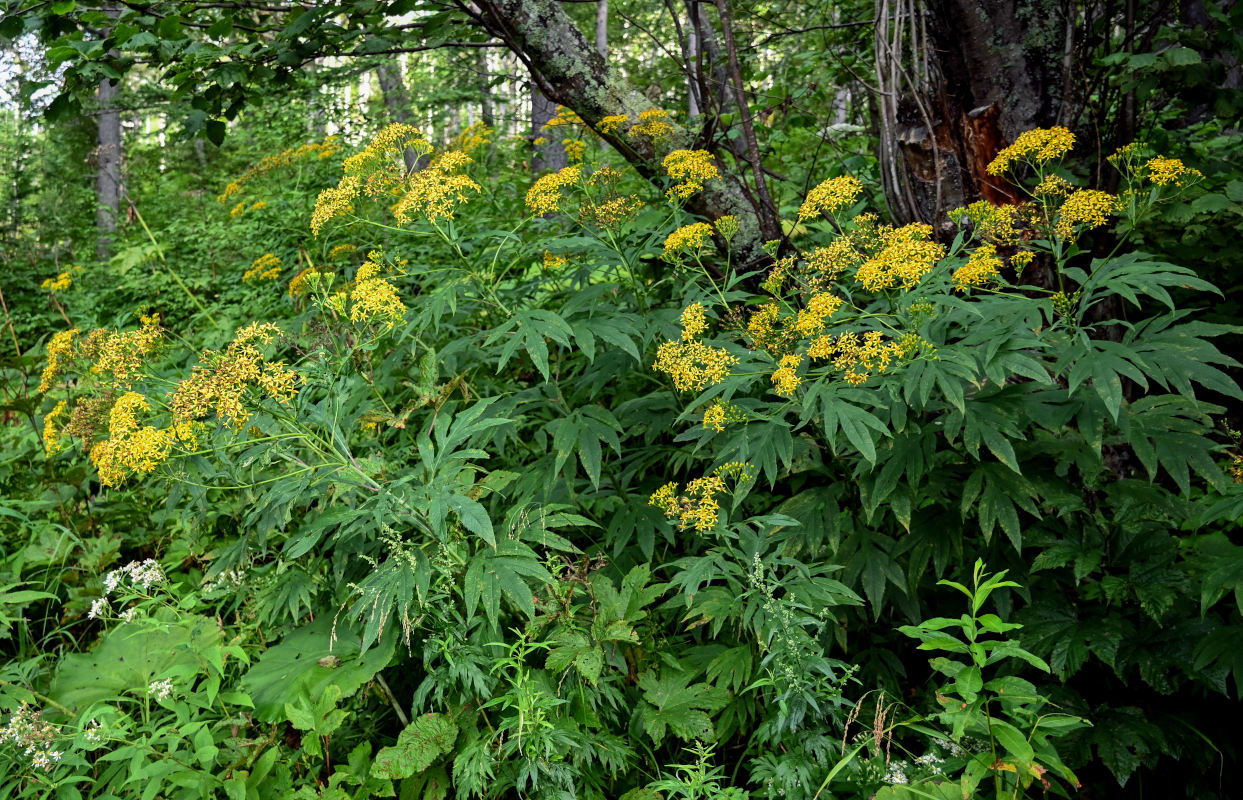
column 471, row 482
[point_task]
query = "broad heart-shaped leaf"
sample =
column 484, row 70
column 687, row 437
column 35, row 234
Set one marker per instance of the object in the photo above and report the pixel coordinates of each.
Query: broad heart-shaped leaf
column 308, row 659
column 130, row 657
column 680, row 706
column 423, row 741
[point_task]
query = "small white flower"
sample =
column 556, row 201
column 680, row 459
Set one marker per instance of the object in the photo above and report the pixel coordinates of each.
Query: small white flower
column 128, row 614
column 98, row 608
column 111, row 581
column 161, row 689
column 896, row 773
column 94, row 732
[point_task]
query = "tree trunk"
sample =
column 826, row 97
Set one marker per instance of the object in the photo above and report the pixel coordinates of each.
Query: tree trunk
column 107, row 168
column 602, row 28
column 960, row 79
column 551, row 155
column 569, row 71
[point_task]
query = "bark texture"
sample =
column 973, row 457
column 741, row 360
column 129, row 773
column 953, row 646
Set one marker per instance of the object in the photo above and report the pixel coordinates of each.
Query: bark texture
column 961, row 79
column 107, row 167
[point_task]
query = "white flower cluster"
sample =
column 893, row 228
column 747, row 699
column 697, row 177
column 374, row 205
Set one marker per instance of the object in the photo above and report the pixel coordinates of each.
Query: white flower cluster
column 896, row 772
column 98, row 608
column 162, row 690
column 932, row 762
column 94, row 732
column 949, row 747
column 28, row 731
column 142, row 576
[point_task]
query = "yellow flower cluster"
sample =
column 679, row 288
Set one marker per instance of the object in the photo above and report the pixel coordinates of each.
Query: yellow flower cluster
column 298, row 284
column 266, row 267
column 237, row 210
column 828, row 263
column 544, row 197
column 830, row 196
column 59, row 350
column 472, row 137
column 335, row 202
column 694, row 322
column 58, row 284
column 982, row 266
column 132, row 447
column 219, row 381
column 687, row 239
column 1086, row 209
column 121, row 353
column 905, row 256
column 654, row 124
column 728, row 226
column 691, row 169
column 1021, row 259
column 1164, row 171
column 555, row 263
column 563, row 118
column 991, row 223
column 785, row 378
column 435, row 192
column 763, row 326
column 51, row 433
column 612, row 123
column 575, row 149
column 1039, row 145
column 383, row 160
column 719, row 414
column 1053, row 186
column 341, row 251
column 316, row 150
column 858, row 355
column 698, row 509
column 259, row 206
column 819, row 308
column 693, row 366
column 375, row 299
column 610, row 213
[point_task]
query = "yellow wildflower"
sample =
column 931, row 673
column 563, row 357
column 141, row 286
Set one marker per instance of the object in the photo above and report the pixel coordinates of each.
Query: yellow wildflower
column 694, row 322
column 693, row 366
column 786, row 379
column 990, row 222
column 298, row 285
column 265, row 267
column 1088, row 208
column 340, row 251
column 691, row 169
column 335, row 202
column 218, row 383
column 762, row 322
column 1053, row 186
column 59, row 349
column 1039, row 144
column 728, row 227
column 1164, row 171
column 318, row 150
column 544, row 197
column 666, row 499
column 472, row 137
column 831, row 195
column 906, row 255
column 687, row 239
column 540, row 141
column 1021, row 259
column 575, row 149
column 385, row 154
column 237, row 210
column 982, row 266
column 714, row 416
column 436, row 191
column 376, row 299
column 51, row 433
column 612, row 123
column 58, row 284
column 653, row 123
column 121, row 353
column 611, row 212
column 259, row 206
column 819, row 308
column 830, row 262
column 564, row 117
column 554, row 263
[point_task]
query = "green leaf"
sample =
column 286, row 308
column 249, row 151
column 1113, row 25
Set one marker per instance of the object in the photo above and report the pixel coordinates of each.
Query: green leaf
column 681, row 707
column 418, row 746
column 1012, row 740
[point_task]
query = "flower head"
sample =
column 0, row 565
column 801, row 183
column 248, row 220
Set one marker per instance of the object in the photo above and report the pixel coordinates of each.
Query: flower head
column 687, row 239
column 831, row 195
column 1039, row 145
column 982, row 266
column 545, row 196
column 691, row 169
